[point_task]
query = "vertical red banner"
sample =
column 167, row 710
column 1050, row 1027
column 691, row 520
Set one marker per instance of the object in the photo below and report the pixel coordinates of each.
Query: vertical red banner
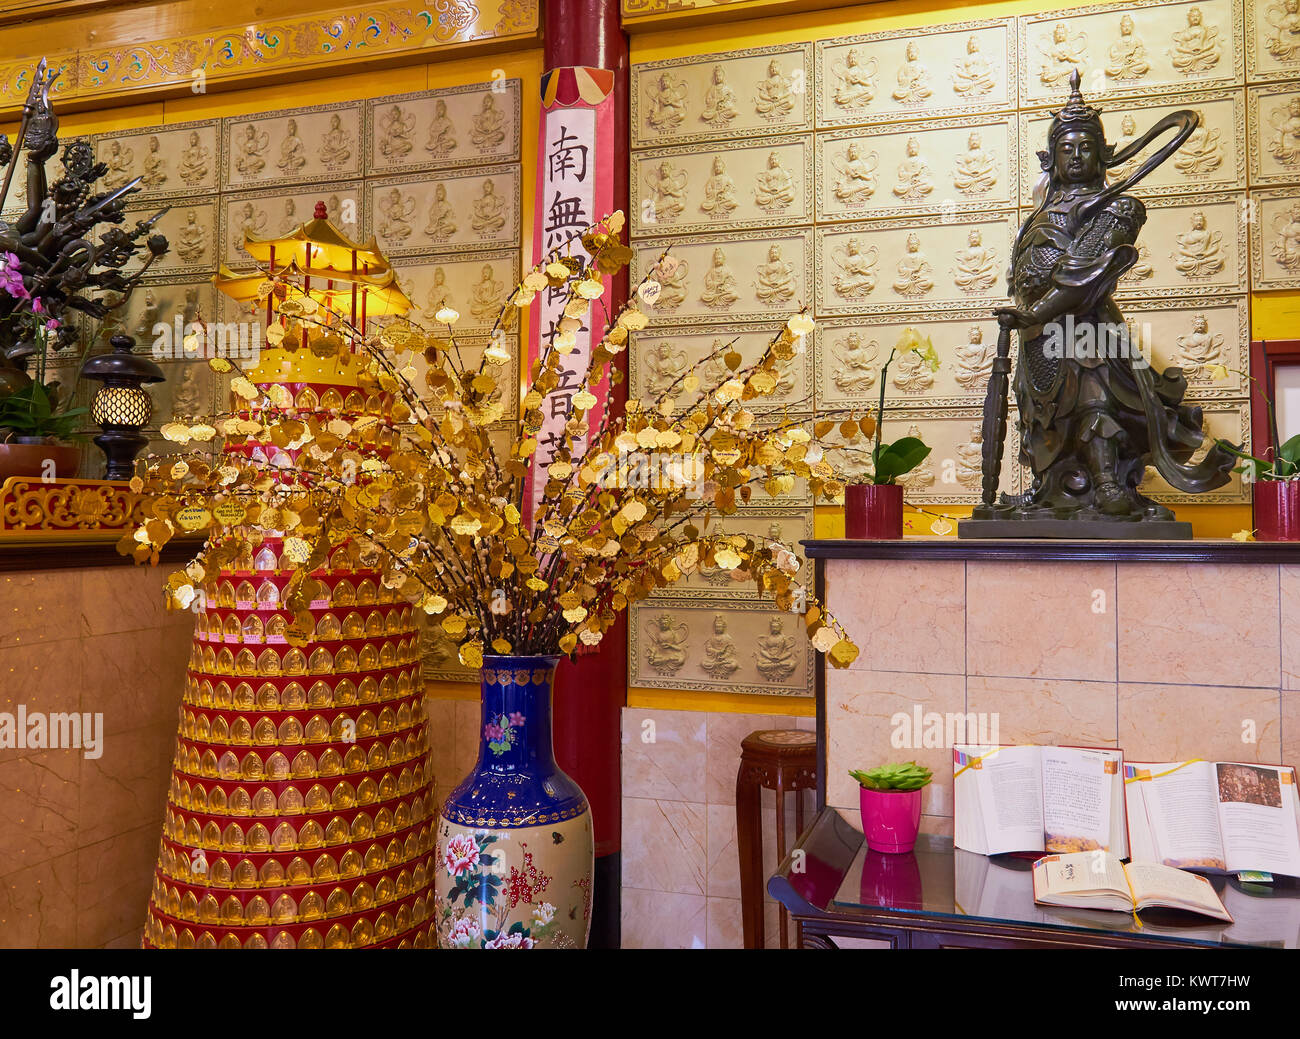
column 575, row 188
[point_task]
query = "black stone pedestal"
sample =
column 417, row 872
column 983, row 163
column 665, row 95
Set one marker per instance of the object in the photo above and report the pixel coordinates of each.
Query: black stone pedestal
column 1076, row 529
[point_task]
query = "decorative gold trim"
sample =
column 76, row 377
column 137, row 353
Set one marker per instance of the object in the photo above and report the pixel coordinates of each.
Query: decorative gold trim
column 30, row 506
column 385, row 31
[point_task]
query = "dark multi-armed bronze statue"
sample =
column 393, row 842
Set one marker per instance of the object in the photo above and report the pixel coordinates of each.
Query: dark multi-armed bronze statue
column 57, row 256
column 1093, row 413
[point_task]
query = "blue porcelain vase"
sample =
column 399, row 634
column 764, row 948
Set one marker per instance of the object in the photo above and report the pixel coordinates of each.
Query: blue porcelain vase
column 515, row 849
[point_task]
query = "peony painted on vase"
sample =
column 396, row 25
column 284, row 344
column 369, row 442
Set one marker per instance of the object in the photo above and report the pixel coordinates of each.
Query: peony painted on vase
column 515, row 845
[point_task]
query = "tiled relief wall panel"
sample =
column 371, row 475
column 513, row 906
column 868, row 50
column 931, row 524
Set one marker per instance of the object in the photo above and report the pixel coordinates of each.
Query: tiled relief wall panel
column 434, row 176
column 880, row 180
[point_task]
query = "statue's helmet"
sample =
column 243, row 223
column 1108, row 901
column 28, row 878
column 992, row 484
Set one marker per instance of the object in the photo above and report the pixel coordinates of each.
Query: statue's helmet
column 1076, row 116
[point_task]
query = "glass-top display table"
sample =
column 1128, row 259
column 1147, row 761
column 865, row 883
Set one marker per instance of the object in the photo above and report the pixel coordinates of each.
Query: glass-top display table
column 941, row 897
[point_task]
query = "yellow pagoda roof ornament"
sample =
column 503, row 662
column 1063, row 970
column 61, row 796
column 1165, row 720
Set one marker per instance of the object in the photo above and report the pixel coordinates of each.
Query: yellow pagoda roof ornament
column 332, row 253
column 380, row 296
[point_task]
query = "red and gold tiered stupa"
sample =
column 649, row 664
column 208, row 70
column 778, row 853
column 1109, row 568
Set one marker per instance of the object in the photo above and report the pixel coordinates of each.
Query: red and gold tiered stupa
column 301, row 810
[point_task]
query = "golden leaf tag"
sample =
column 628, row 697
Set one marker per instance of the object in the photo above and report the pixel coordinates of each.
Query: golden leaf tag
column 843, row 653
column 298, row 634
column 136, row 485
column 1244, row 535
column 732, row 359
column 446, row 315
column 297, row 550
column 193, row 517
column 230, row 513
column 667, row 265
column 433, row 604
column 649, row 291
column 800, row 324
column 220, row 365
column 471, row 655
column 589, row 637
column 941, row 526
column 824, row 639
column 867, row 424
column 568, row 642
column 691, row 383
column 454, row 625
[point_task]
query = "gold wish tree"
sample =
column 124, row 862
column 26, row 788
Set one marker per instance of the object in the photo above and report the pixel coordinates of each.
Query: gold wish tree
column 419, row 491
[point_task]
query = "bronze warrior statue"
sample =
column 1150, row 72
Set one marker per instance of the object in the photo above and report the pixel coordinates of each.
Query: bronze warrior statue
column 1093, row 414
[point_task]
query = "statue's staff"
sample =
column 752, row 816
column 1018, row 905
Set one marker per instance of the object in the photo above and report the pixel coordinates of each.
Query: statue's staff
column 39, row 91
column 996, row 402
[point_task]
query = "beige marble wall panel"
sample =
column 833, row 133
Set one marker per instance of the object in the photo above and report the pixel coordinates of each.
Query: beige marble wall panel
column 469, row 209
column 729, row 646
column 1197, row 337
column 1227, row 421
column 665, row 754
column 865, row 710
column 266, row 213
column 1046, row 710
column 1212, row 159
column 1131, row 48
column 474, row 286
column 1274, row 134
column 923, row 262
column 957, row 69
column 457, row 126
column 314, row 145
column 712, row 187
column 1289, row 589
column 948, row 166
column 1177, row 722
column 1020, row 625
column 768, row 527
column 727, row 96
column 880, row 601
column 1275, row 239
column 190, row 226
column 851, row 352
column 661, row 356
column 748, row 276
column 176, row 159
column 1272, row 40
column 1191, row 245
column 1171, row 631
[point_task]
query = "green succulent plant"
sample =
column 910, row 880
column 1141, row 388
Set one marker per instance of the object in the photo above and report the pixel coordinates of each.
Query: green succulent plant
column 905, row 776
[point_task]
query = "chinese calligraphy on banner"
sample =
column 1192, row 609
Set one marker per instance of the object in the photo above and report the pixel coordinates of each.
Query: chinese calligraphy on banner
column 574, row 188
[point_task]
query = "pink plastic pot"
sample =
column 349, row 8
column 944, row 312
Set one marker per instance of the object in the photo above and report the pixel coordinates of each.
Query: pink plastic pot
column 891, row 819
column 873, row 511
column 1277, row 510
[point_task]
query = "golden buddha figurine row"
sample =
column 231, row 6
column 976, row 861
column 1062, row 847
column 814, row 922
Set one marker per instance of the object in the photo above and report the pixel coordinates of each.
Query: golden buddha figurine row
column 204, row 764
column 211, row 625
column 343, row 692
column 320, row 797
column 264, row 732
column 294, row 661
column 363, row 933
column 293, row 834
column 184, row 864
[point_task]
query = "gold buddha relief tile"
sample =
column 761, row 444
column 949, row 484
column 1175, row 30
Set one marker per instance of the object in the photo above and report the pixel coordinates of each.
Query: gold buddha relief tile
column 711, row 187
column 661, row 357
column 1130, row 49
column 722, row 646
column 727, row 96
column 190, row 226
column 1229, row 421
column 314, row 145
column 951, row 474
column 1195, row 337
column 769, row 528
column 266, row 213
column 1272, row 40
column 177, row 159
column 920, row 262
column 961, row 68
column 1191, row 245
column 1274, row 134
column 475, row 209
column 1275, row 239
column 957, row 165
column 798, row 494
column 852, row 351
column 189, row 391
column 473, row 285
column 478, row 124
column 1212, row 159
column 162, row 302
column 750, row 275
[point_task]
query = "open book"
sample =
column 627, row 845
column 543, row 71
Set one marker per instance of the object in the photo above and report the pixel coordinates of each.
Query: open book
column 1061, row 799
column 1098, row 880
column 1216, row 816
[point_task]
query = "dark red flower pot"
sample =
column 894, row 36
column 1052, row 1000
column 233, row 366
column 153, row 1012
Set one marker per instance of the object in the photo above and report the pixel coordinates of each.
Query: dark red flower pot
column 1277, row 510
column 873, row 511
column 37, row 460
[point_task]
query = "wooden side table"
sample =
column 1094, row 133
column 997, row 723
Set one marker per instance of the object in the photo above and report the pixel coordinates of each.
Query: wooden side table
column 776, row 759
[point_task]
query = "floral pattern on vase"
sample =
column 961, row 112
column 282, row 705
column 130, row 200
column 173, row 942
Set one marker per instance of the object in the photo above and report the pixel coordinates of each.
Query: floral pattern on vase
column 515, row 849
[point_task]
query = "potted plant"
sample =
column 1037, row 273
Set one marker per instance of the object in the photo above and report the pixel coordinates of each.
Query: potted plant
column 875, row 509
column 1275, row 501
column 891, row 805
column 35, row 427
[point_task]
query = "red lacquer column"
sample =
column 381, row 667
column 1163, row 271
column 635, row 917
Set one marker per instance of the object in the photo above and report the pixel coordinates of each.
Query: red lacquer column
column 590, row 693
